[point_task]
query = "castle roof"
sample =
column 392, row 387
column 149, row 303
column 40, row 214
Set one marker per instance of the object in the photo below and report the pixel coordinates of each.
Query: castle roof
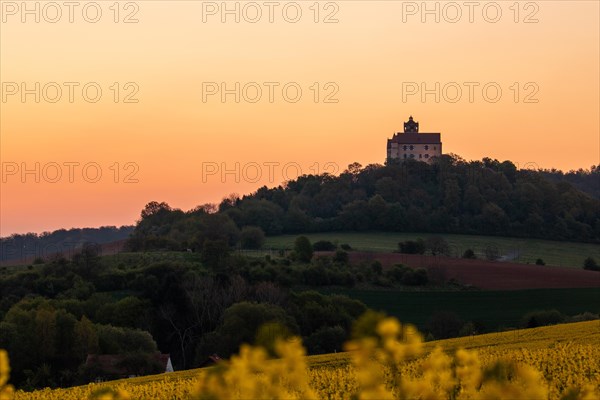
column 415, row 138
column 411, row 135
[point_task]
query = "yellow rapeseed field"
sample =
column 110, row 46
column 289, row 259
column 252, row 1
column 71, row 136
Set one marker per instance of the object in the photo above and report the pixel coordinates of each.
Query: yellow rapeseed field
column 557, row 362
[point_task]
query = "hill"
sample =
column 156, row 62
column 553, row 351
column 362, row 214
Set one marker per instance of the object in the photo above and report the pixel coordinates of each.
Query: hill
column 24, row 248
column 518, row 250
column 331, row 374
column 489, row 310
column 450, row 195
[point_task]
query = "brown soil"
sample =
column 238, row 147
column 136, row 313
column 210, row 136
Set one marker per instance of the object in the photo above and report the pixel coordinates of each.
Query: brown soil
column 489, row 275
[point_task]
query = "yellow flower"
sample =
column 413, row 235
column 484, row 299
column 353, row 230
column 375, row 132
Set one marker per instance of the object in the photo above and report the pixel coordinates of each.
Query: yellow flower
column 389, row 328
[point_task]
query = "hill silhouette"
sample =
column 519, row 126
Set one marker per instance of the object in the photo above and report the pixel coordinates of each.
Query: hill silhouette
column 450, row 195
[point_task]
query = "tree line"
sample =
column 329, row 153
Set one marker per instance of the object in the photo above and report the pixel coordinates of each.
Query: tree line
column 451, row 195
column 52, row 315
column 33, row 245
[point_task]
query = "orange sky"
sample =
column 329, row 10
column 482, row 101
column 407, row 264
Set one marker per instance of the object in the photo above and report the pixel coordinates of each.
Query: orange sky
column 369, row 57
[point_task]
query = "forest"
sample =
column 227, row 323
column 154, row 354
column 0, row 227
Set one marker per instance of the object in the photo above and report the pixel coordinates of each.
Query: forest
column 451, row 195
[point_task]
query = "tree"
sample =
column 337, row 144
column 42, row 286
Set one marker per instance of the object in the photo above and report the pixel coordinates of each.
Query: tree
column 444, row 325
column 377, row 267
column 415, row 277
column 117, row 340
column 542, row 318
column 86, row 338
column 324, row 245
column 215, row 253
column 241, row 323
column 45, row 332
column 327, row 339
column 269, row 333
column 590, row 264
column 494, row 218
column 412, row 246
column 353, row 169
column 469, row 254
column 437, row 245
column 154, row 208
column 341, row 257
column 303, row 249
column 252, row 237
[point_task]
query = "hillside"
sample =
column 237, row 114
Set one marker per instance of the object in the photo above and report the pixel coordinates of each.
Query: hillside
column 451, row 195
column 24, row 248
column 518, row 250
column 537, row 347
column 490, row 310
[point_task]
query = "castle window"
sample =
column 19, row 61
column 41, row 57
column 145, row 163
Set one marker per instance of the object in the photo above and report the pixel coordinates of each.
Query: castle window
column 412, row 147
column 426, row 155
column 426, row 147
column 420, row 155
column 412, row 156
column 404, row 147
column 404, row 155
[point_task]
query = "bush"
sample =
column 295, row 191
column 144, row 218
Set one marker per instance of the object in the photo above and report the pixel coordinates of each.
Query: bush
column 324, row 245
column 252, row 237
column 326, row 340
column 437, row 245
column 469, row 254
column 586, row 316
column 444, row 325
column 539, row 261
column 415, row 277
column 468, row 329
column 341, row 257
column 542, row 318
column 303, row 249
column 377, row 267
column 491, row 253
column 412, row 246
column 590, row 264
column 397, row 272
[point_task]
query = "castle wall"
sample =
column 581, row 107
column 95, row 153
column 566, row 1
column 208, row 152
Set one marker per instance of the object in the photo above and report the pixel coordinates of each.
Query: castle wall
column 419, row 152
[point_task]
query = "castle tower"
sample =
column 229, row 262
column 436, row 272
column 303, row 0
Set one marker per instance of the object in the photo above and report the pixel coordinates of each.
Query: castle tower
column 411, row 144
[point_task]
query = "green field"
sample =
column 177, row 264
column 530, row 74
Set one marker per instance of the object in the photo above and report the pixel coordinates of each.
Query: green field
column 495, row 309
column 524, row 250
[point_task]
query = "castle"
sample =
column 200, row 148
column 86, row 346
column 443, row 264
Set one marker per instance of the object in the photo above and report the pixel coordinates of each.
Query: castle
column 411, row 144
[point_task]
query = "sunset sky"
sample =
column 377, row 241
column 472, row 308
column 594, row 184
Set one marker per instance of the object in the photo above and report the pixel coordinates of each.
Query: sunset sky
column 172, row 144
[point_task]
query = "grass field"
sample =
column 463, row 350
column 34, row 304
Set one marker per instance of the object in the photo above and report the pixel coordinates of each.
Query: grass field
column 548, row 349
column 495, row 309
column 525, row 250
